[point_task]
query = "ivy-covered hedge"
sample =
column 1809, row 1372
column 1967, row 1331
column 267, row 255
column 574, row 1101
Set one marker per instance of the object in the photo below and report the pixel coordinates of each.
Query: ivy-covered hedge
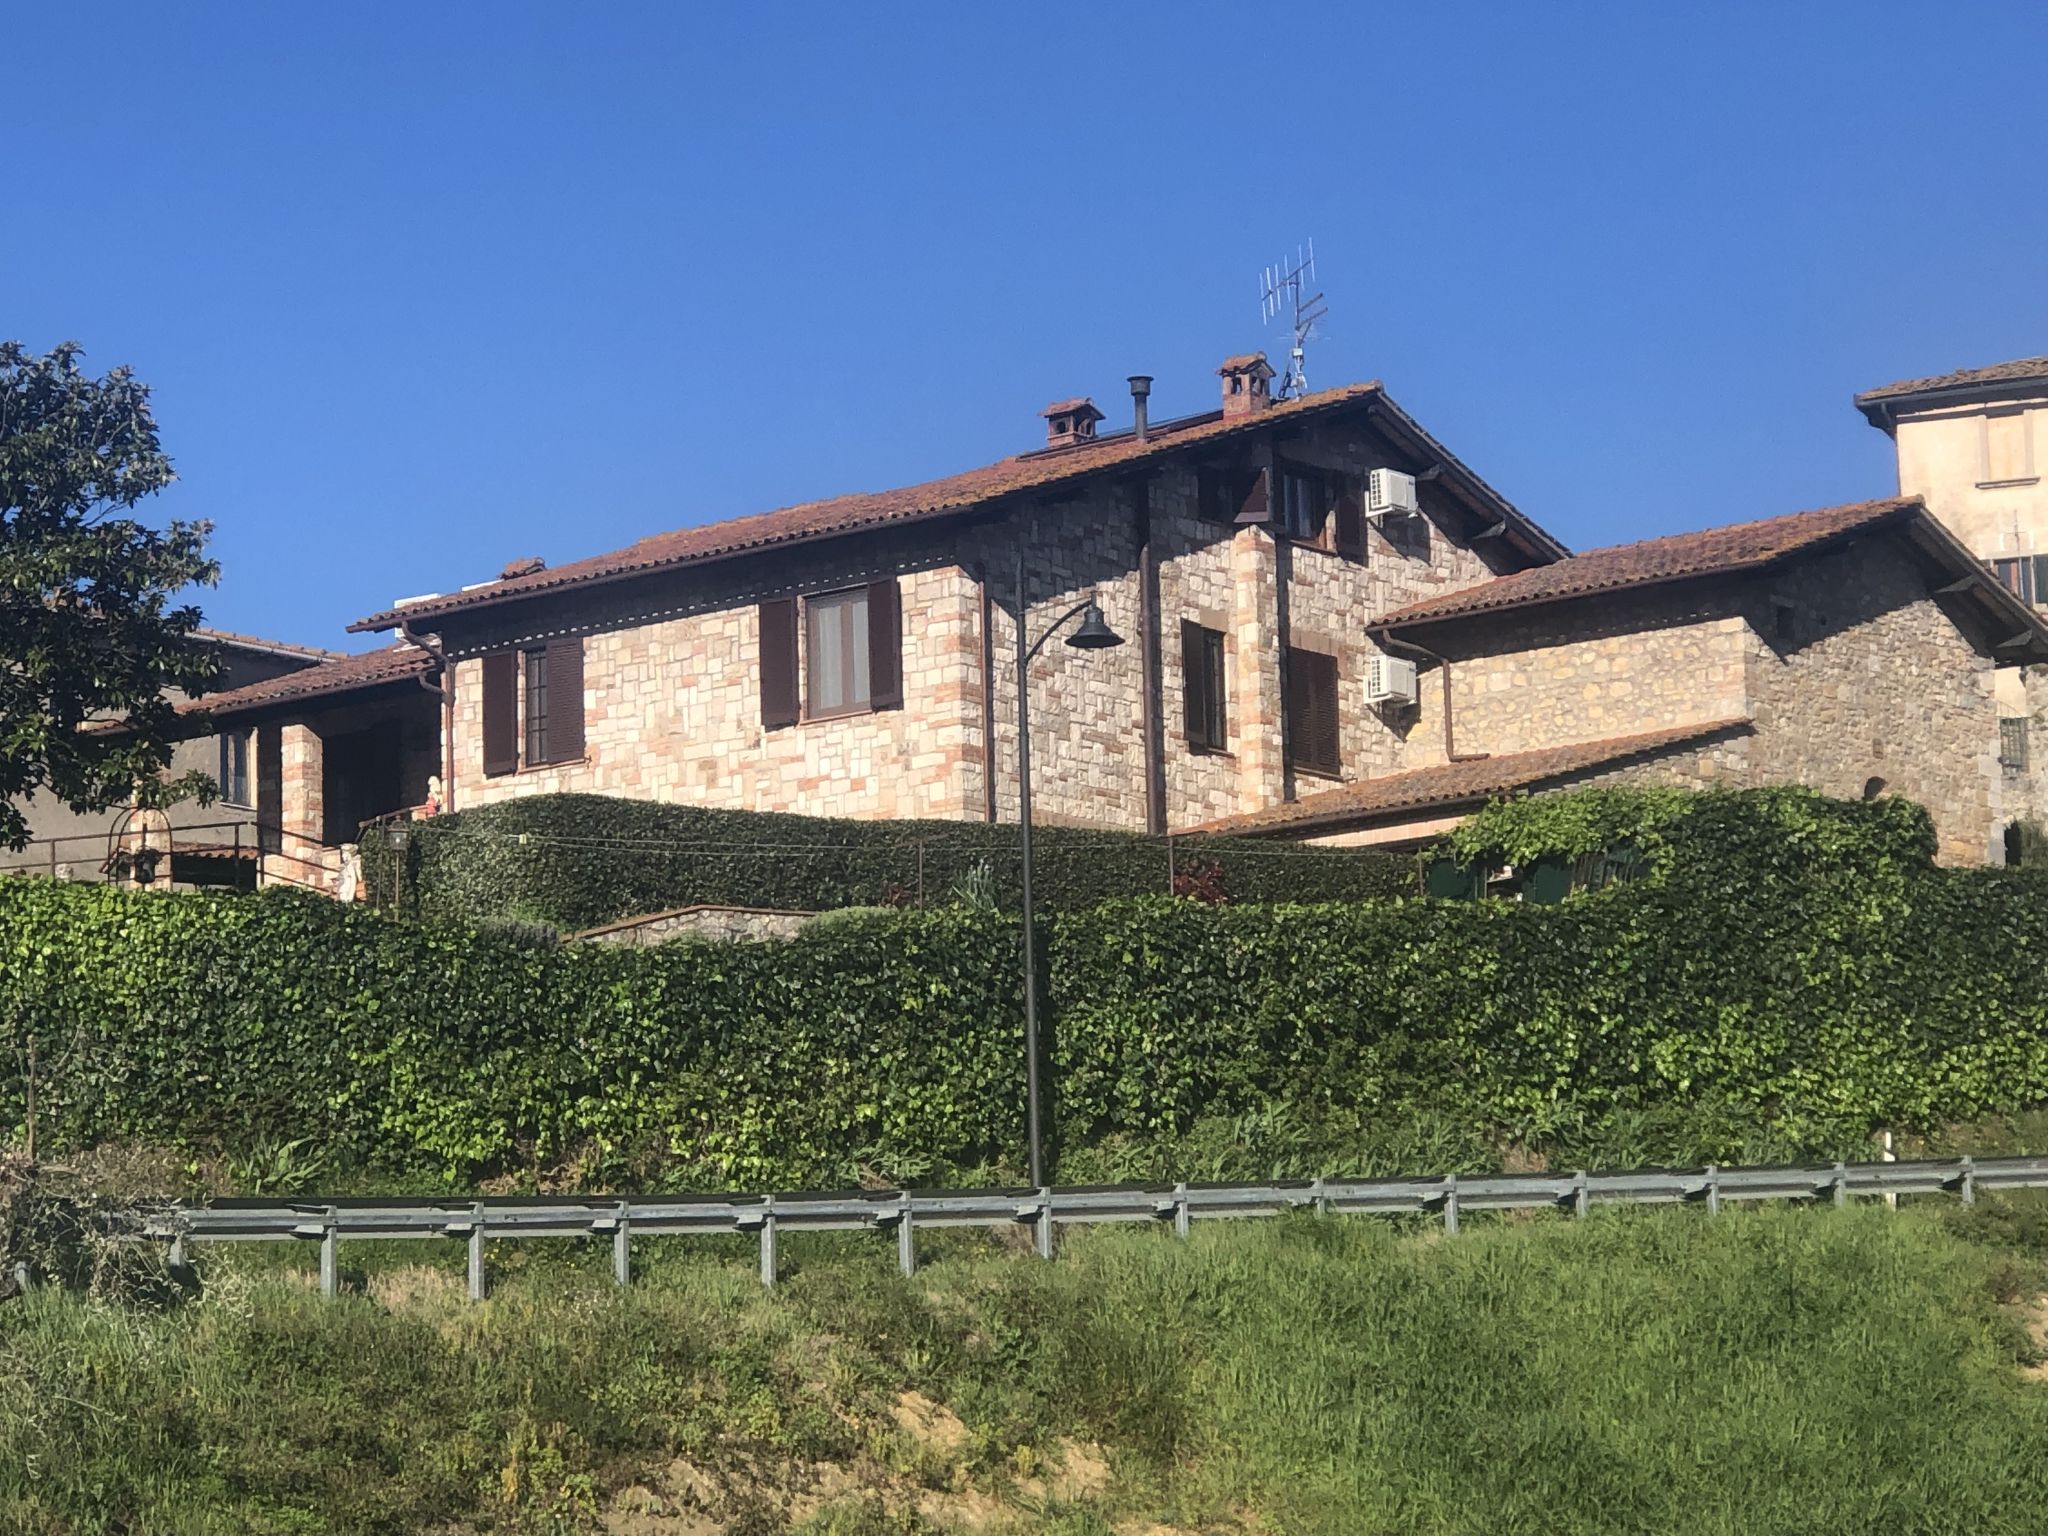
column 1796, row 957
column 580, row 860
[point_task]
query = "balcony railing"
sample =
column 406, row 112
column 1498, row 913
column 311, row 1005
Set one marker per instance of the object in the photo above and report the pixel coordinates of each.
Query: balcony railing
column 2012, row 744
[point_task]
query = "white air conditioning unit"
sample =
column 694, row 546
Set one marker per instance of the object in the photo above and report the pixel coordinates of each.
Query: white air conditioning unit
column 1390, row 493
column 1389, row 680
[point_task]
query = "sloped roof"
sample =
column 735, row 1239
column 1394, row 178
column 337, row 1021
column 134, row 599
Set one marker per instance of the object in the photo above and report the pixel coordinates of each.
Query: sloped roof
column 1732, row 547
column 1472, row 780
column 1036, row 471
column 228, row 637
column 349, row 674
column 1880, row 403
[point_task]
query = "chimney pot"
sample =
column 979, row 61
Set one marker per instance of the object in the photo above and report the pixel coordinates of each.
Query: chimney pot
column 1247, row 384
column 1069, row 422
column 1141, row 391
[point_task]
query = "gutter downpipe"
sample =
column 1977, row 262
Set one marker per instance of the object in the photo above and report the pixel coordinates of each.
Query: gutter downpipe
column 1451, row 753
column 442, row 690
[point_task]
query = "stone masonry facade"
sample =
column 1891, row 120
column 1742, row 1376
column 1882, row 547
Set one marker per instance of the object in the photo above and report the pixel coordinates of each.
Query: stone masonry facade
column 672, row 701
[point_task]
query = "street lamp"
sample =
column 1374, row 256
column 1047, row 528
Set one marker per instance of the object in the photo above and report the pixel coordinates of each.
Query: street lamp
column 1094, row 634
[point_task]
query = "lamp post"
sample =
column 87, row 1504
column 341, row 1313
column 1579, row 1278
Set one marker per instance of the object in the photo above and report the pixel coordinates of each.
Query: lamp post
column 1093, row 635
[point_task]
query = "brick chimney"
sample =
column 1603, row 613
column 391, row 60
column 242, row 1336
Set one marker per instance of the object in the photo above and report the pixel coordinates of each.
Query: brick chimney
column 1068, row 422
column 1247, row 384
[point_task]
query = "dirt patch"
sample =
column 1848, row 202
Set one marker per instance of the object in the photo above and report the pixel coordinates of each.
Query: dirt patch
column 2036, row 1319
column 929, row 1423
column 1082, row 1473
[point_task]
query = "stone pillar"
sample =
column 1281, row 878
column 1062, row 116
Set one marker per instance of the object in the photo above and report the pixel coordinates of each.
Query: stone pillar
column 302, row 809
column 1256, row 685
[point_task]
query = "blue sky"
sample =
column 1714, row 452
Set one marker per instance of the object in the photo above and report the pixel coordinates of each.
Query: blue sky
column 424, row 288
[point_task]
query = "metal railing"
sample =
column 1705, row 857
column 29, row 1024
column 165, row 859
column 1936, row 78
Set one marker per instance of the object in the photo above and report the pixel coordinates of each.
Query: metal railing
column 901, row 1213
column 237, row 842
column 2012, row 742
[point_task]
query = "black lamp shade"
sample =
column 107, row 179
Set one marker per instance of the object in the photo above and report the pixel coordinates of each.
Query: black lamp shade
column 1094, row 634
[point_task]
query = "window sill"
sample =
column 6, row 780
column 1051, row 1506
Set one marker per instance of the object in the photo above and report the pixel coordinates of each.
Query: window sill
column 1302, row 770
column 1999, row 485
column 852, row 712
column 1328, row 553
column 1223, row 752
column 526, row 769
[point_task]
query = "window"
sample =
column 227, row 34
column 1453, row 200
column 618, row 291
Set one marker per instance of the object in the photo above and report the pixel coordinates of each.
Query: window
column 2024, row 576
column 1311, row 703
column 533, row 706
column 852, row 654
column 2005, row 448
column 2012, row 743
column 1208, row 721
column 234, row 769
column 537, row 706
column 836, row 639
column 1302, row 503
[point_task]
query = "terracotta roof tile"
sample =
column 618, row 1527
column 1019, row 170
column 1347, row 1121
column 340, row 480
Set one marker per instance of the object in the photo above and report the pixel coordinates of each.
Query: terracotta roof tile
column 1732, row 547
column 1459, row 783
column 1078, row 403
column 2019, row 370
column 1242, row 361
column 258, row 643
column 845, row 514
column 373, row 669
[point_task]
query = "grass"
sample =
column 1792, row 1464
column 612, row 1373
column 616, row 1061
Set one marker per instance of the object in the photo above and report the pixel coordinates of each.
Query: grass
column 1768, row 1370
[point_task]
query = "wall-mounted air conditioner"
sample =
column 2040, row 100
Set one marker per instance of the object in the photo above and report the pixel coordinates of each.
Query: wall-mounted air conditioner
column 1390, row 493
column 1389, row 680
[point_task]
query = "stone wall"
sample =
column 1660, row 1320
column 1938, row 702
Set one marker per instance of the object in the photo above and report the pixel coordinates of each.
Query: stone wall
column 1855, row 674
column 672, row 696
column 1606, row 666
column 701, row 922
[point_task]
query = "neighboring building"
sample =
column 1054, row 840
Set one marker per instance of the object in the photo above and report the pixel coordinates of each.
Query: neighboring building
column 1973, row 445
column 328, row 748
column 856, row 656
column 1853, row 649
column 79, row 845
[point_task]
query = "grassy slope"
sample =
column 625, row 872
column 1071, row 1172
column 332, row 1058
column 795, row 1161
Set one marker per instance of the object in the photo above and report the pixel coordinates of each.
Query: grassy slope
column 1765, row 1371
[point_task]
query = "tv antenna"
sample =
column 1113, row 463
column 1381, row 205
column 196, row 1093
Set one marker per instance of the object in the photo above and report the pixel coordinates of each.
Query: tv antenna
column 1281, row 286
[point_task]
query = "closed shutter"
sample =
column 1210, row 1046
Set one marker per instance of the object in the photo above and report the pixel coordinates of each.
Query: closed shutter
column 885, row 646
column 1253, row 499
column 778, row 663
column 501, row 712
column 1312, row 711
column 565, row 700
column 1194, row 664
column 1350, row 519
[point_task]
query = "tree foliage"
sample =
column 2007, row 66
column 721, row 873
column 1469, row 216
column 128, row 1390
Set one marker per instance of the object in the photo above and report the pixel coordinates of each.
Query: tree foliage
column 90, row 626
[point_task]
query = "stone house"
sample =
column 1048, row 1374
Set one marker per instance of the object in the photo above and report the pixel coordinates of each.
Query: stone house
column 1854, row 649
column 857, row 656
column 206, row 839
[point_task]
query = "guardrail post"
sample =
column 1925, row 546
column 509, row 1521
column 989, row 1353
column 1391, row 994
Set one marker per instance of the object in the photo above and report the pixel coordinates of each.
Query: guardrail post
column 1044, row 1223
column 476, row 1254
column 1582, row 1193
column 330, row 1260
column 906, row 1239
column 1180, row 1210
column 1969, row 1181
column 1450, row 1205
column 1841, row 1184
column 768, row 1240
column 24, row 1277
column 622, row 1249
column 1713, row 1190
column 1319, row 1196
column 176, row 1259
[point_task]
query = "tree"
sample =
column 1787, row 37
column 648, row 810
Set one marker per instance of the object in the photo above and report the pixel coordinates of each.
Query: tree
column 89, row 628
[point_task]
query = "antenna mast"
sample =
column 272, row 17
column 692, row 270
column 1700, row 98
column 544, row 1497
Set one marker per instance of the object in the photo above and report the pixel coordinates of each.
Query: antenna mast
column 1286, row 280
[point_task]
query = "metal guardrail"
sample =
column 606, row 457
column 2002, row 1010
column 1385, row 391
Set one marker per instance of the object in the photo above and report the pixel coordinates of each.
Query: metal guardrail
column 902, row 1212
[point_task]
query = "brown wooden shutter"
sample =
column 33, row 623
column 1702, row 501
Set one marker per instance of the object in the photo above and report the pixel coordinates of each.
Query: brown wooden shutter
column 778, row 663
column 885, row 646
column 565, row 700
column 1350, row 518
column 1253, row 500
column 501, row 712
column 1312, row 711
column 1194, row 663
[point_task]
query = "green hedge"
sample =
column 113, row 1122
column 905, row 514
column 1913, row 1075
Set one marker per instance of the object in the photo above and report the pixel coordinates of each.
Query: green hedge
column 580, row 860
column 1798, row 958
